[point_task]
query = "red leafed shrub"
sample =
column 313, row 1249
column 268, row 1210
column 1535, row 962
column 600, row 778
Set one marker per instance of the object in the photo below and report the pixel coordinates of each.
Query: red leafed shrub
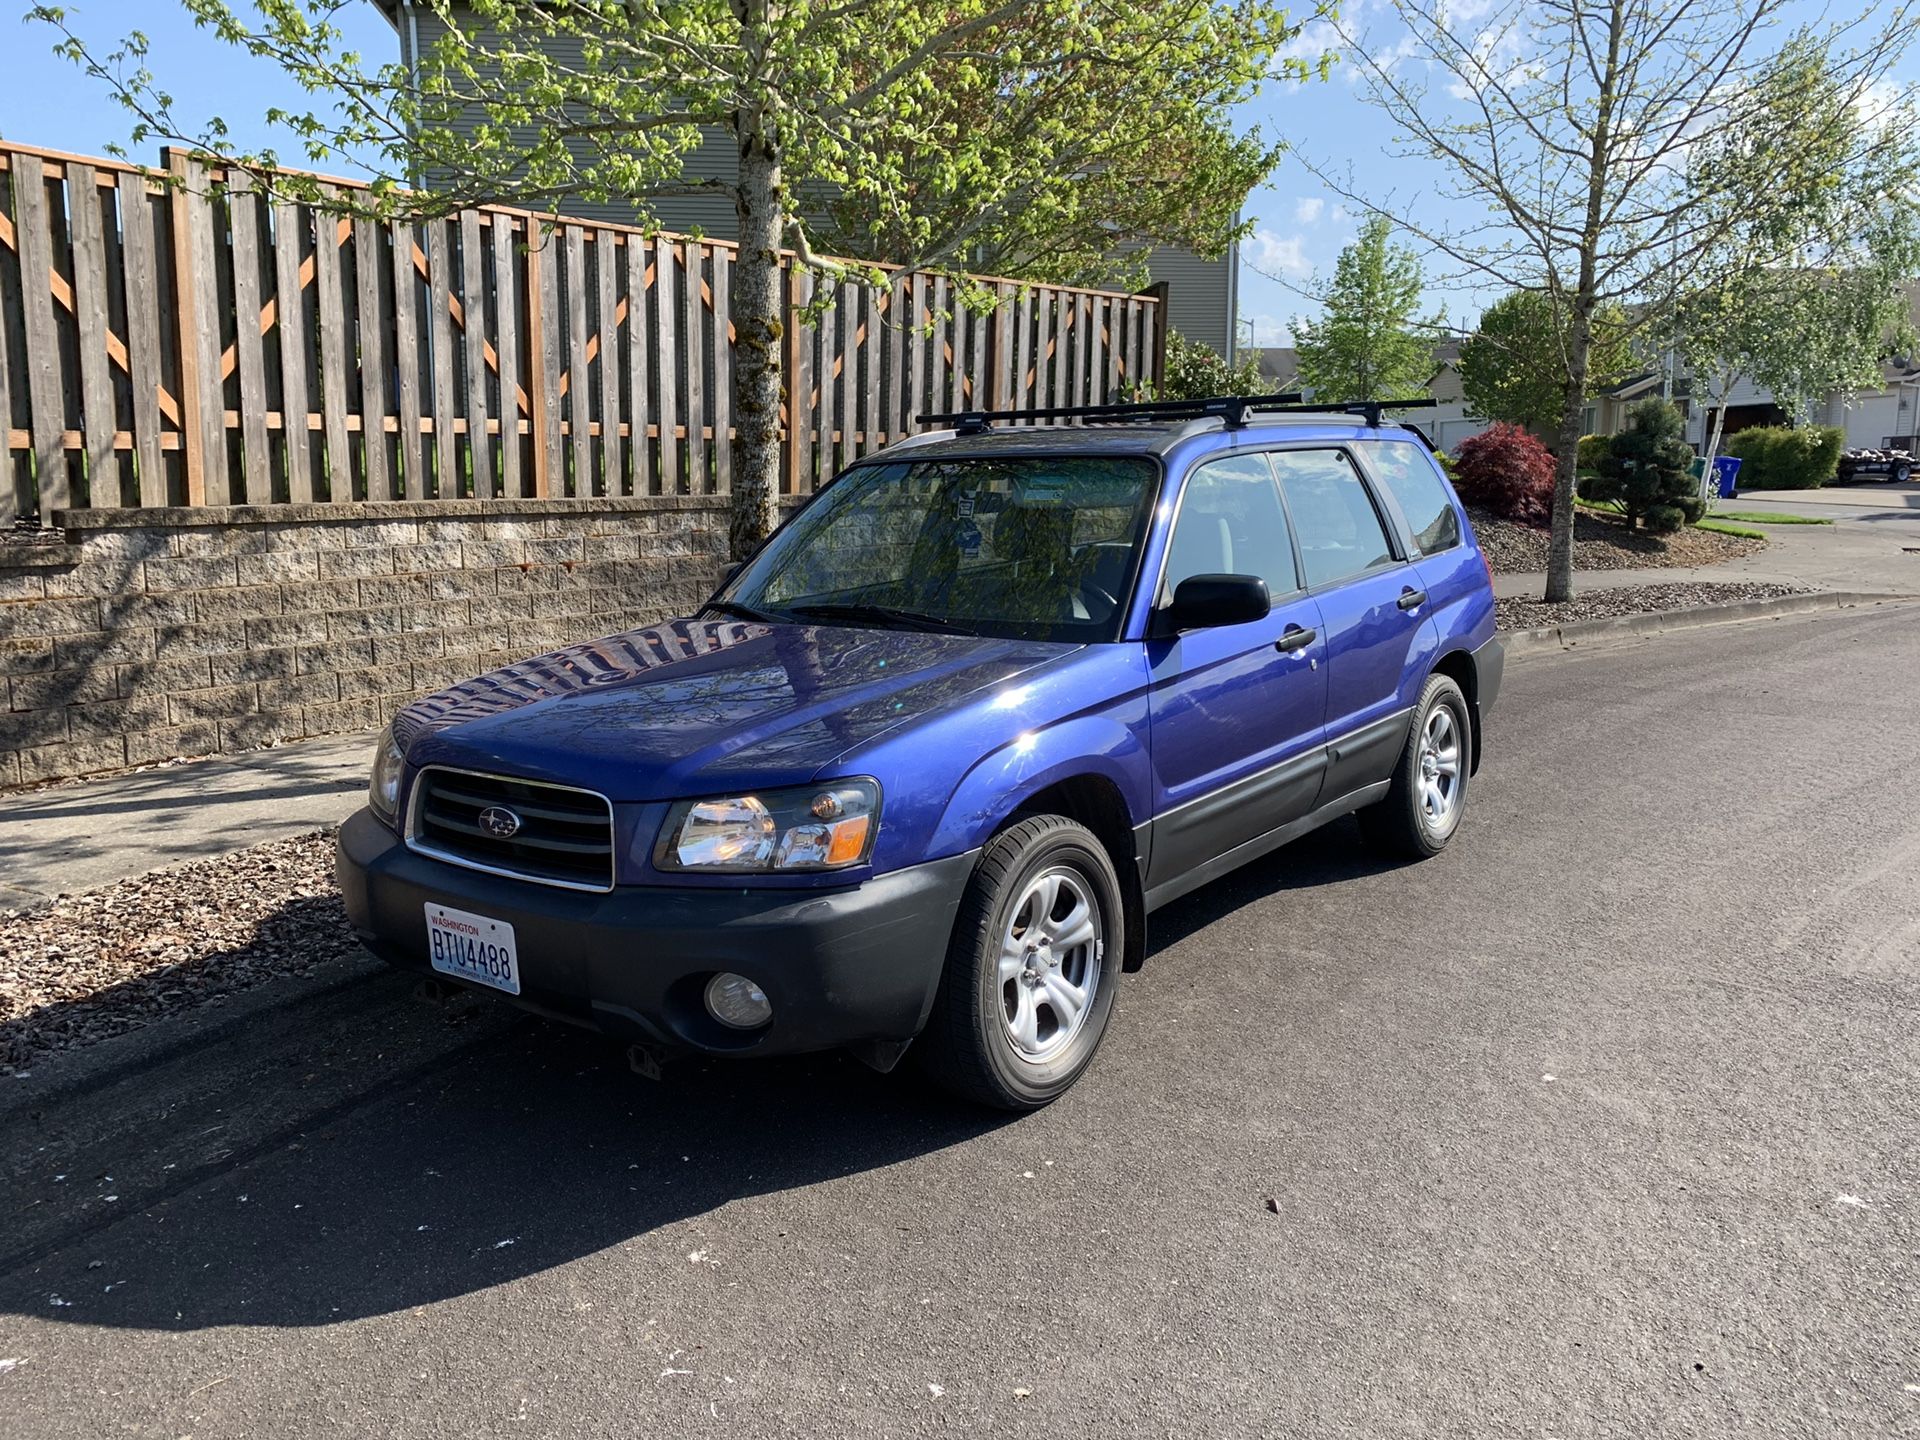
column 1505, row 469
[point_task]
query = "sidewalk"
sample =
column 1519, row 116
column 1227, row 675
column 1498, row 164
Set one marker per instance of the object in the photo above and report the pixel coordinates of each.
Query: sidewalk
column 1865, row 549
column 92, row 832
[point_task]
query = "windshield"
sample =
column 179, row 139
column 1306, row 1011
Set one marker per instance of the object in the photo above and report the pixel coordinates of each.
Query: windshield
column 1037, row 548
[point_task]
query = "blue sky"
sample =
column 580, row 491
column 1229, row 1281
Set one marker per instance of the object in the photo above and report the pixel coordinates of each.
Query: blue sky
column 1299, row 225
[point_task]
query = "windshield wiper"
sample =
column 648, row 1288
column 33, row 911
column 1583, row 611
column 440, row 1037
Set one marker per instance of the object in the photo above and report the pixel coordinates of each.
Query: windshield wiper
column 740, row 612
column 884, row 615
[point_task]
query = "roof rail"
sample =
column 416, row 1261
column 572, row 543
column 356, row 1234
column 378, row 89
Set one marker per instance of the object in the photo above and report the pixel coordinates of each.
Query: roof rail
column 1234, row 411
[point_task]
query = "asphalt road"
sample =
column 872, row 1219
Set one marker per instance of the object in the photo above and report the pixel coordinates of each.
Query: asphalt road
column 1605, row 1123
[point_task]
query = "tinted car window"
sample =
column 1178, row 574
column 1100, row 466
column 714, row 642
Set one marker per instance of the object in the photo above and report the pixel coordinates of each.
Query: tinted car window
column 1422, row 497
column 1340, row 531
column 1231, row 523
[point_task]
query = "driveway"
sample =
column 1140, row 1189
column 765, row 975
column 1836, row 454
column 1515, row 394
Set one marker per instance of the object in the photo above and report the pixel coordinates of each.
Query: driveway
column 1601, row 1124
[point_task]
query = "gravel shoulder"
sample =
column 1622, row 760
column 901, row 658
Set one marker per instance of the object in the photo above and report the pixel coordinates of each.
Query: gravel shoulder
column 1525, row 613
column 1601, row 543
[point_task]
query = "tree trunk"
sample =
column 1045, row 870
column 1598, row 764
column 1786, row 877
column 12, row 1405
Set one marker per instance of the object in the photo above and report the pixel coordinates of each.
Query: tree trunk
column 757, row 309
column 1567, row 462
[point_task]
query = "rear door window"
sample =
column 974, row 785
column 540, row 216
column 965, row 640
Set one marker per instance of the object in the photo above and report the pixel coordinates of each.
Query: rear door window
column 1340, row 532
column 1416, row 487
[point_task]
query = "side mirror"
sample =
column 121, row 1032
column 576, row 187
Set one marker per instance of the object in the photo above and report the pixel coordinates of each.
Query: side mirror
column 1205, row 602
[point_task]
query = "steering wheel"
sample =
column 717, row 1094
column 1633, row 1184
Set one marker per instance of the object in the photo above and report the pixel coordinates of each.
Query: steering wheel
column 1089, row 591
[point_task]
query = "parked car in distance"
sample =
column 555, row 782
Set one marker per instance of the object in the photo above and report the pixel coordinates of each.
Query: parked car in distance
column 921, row 769
column 1861, row 464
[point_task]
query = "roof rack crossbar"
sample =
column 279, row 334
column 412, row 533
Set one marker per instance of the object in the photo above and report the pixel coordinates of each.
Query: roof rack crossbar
column 1235, row 411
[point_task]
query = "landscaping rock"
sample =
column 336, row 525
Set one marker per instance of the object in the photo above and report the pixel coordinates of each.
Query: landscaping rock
column 1518, row 613
column 1603, row 543
column 101, row 962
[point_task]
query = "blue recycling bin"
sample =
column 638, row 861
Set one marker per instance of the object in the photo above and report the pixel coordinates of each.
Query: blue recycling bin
column 1726, row 474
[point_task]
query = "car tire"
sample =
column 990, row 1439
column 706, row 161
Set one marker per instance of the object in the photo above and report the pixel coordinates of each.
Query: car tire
column 1901, row 474
column 1022, row 950
column 1428, row 793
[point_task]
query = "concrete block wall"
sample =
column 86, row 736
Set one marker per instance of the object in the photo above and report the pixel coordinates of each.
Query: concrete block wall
column 150, row 634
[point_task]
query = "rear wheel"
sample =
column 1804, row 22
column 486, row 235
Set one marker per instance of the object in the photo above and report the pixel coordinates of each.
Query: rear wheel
column 1428, row 794
column 1031, row 970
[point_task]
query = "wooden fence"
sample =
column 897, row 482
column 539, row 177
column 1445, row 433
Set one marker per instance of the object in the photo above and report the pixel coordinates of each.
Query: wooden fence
column 203, row 344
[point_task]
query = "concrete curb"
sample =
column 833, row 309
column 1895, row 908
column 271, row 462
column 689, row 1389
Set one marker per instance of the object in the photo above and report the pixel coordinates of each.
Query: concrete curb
column 1587, row 634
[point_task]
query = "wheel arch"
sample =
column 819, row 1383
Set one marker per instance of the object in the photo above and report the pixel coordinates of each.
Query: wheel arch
column 1096, row 801
column 1460, row 667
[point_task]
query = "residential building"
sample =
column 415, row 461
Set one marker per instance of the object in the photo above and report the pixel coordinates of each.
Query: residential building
column 1202, row 295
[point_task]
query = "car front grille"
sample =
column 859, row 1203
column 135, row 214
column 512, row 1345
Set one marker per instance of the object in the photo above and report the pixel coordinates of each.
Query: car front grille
column 551, row 834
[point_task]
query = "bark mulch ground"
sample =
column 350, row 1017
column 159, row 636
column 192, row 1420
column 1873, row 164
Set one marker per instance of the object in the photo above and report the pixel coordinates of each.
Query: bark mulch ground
column 106, row 961
column 1529, row 613
column 1603, row 543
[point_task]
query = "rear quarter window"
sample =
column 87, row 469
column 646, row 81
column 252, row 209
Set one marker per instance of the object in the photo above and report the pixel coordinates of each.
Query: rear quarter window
column 1409, row 473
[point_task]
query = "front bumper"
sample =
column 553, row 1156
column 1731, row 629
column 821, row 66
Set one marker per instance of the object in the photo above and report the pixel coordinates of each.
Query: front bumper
column 839, row 966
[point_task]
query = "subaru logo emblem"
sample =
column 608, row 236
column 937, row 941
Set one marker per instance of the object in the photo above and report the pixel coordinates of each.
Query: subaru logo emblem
column 499, row 822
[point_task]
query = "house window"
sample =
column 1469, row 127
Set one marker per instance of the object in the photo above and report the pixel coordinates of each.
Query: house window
column 1589, row 419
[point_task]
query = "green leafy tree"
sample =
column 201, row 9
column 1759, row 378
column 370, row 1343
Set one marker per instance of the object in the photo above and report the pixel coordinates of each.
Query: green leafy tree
column 1644, row 471
column 1808, row 302
column 1563, row 131
column 968, row 128
column 1369, row 344
column 1514, row 365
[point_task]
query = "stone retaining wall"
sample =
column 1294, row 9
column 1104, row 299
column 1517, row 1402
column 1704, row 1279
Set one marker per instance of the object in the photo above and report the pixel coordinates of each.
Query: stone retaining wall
column 155, row 633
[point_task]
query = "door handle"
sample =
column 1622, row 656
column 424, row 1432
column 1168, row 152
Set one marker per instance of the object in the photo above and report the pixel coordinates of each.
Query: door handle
column 1295, row 638
column 1410, row 598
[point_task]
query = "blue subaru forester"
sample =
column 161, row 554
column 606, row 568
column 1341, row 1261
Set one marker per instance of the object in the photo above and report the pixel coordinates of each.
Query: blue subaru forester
column 920, row 770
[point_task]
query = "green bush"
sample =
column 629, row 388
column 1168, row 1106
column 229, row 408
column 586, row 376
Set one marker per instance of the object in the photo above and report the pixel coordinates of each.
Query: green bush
column 1199, row 372
column 1644, row 471
column 1593, row 450
column 1773, row 457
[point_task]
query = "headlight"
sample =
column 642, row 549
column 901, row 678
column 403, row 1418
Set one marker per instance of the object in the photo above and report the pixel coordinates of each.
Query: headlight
column 383, row 788
column 813, row 827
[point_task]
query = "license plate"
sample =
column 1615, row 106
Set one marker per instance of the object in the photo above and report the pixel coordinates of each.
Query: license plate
column 472, row 947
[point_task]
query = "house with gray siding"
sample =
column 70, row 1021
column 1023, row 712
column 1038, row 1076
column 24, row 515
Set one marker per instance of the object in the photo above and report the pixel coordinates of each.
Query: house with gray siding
column 1202, row 294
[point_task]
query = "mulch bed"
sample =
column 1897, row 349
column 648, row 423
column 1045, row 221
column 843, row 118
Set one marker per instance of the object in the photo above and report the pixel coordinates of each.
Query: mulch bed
column 106, row 961
column 1603, row 543
column 1525, row 613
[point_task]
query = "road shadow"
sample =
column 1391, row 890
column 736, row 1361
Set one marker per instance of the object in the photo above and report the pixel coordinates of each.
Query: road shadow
column 359, row 1152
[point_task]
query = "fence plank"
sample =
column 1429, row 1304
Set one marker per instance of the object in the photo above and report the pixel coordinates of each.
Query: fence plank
column 894, row 417
column 406, row 362
column 333, row 355
column 723, row 368
column 638, row 349
column 919, row 317
column 849, row 374
column 16, row 495
column 446, row 458
column 666, row 307
column 1110, row 310
column 1060, row 306
column 369, row 266
column 1086, row 350
column 46, row 377
column 98, row 415
column 143, row 336
column 800, row 339
column 879, row 321
column 1023, row 328
column 290, row 317
column 473, row 303
column 506, row 349
column 579, row 410
column 249, row 354
column 699, row 476
column 607, row 266
column 952, row 343
column 828, row 332
column 543, row 334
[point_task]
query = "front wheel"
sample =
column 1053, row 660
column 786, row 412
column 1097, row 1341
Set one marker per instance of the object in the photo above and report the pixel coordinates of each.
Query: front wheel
column 1428, row 794
column 1031, row 970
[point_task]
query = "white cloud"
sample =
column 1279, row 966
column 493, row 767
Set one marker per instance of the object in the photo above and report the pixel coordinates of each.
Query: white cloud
column 1307, row 211
column 1279, row 255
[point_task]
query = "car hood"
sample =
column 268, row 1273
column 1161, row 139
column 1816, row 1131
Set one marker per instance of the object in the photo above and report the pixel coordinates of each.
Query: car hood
column 693, row 707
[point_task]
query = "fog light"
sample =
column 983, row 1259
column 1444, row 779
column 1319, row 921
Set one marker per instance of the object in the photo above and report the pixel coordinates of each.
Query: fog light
column 737, row 1002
